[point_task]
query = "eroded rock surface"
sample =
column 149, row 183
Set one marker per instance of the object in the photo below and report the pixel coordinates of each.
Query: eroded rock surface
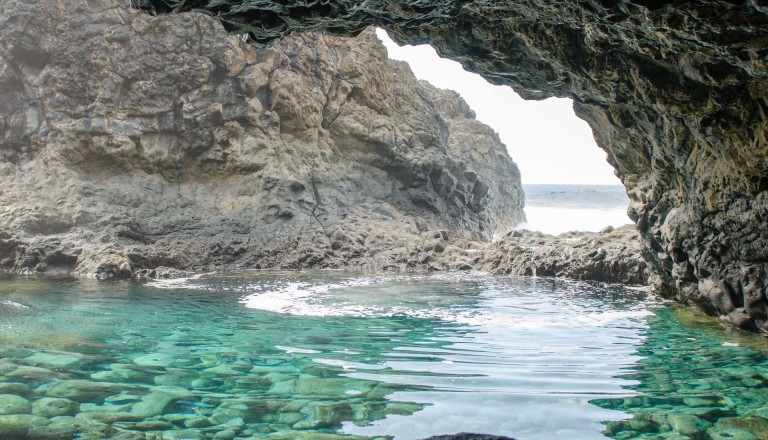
column 131, row 142
column 611, row 255
column 674, row 91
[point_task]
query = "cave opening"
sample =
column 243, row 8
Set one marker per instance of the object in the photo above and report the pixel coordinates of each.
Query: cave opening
column 674, row 92
column 568, row 183
column 238, row 173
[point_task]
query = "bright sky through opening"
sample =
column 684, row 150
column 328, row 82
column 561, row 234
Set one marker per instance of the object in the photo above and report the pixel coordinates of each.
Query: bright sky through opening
column 545, row 138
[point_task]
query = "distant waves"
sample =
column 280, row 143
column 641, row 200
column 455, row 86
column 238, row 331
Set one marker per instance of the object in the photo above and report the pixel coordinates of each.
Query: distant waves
column 554, row 209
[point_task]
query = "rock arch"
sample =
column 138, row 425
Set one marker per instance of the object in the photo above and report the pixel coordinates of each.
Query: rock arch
column 675, row 93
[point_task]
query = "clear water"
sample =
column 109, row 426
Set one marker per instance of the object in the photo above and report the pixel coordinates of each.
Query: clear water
column 335, row 355
column 554, row 209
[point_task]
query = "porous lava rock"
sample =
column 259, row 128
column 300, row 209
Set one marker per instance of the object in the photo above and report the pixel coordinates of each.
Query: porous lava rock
column 130, row 144
column 675, row 92
column 612, row 255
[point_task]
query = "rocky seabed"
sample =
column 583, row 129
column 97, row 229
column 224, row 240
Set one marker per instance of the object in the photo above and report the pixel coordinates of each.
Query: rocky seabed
column 219, row 394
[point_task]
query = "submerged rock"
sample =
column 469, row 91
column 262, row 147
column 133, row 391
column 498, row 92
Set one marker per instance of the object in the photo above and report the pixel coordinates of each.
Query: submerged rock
column 244, row 409
column 686, row 424
column 53, row 407
column 127, row 373
column 177, row 378
column 317, row 387
column 32, row 374
column 226, row 434
column 53, row 360
column 86, row 391
column 156, row 360
column 324, row 415
column 468, row 436
column 756, row 425
column 57, row 428
column 183, row 434
column 13, row 404
column 17, row 388
column 146, row 425
column 718, row 433
column 312, row 435
column 18, row 425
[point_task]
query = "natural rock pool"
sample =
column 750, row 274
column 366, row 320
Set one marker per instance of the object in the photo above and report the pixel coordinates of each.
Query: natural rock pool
column 320, row 355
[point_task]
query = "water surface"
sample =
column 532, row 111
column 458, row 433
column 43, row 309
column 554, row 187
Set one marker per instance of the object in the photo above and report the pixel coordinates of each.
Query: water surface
column 320, row 355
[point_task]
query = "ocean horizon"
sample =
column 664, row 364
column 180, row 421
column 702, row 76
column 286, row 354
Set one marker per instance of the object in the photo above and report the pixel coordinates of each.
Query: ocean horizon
column 556, row 208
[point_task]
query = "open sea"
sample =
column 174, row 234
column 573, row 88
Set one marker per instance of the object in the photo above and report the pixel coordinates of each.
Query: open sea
column 554, row 209
column 335, row 355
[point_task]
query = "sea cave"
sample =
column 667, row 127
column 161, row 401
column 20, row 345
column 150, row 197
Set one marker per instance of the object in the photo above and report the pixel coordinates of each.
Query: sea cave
column 674, row 92
column 238, row 219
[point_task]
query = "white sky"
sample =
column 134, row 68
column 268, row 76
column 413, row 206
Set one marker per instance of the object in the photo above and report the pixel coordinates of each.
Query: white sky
column 545, row 138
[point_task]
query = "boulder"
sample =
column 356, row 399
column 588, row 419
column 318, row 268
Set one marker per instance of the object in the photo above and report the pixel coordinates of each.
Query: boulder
column 53, row 407
column 19, row 425
column 13, row 404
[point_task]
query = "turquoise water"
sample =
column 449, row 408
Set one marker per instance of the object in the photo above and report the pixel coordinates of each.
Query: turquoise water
column 336, row 355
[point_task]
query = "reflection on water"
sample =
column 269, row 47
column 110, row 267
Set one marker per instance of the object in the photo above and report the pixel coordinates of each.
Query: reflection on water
column 333, row 355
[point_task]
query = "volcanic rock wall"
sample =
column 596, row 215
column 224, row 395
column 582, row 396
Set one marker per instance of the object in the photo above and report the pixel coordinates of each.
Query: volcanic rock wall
column 129, row 142
column 612, row 255
column 675, row 92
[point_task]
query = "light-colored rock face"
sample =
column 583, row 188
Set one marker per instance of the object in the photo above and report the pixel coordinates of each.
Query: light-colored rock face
column 674, row 91
column 129, row 141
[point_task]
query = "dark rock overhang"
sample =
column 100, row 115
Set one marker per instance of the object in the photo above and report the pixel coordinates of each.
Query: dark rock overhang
column 675, row 93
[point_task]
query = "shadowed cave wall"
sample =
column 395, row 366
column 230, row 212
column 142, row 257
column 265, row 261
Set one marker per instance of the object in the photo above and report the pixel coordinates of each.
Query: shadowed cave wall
column 675, row 93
